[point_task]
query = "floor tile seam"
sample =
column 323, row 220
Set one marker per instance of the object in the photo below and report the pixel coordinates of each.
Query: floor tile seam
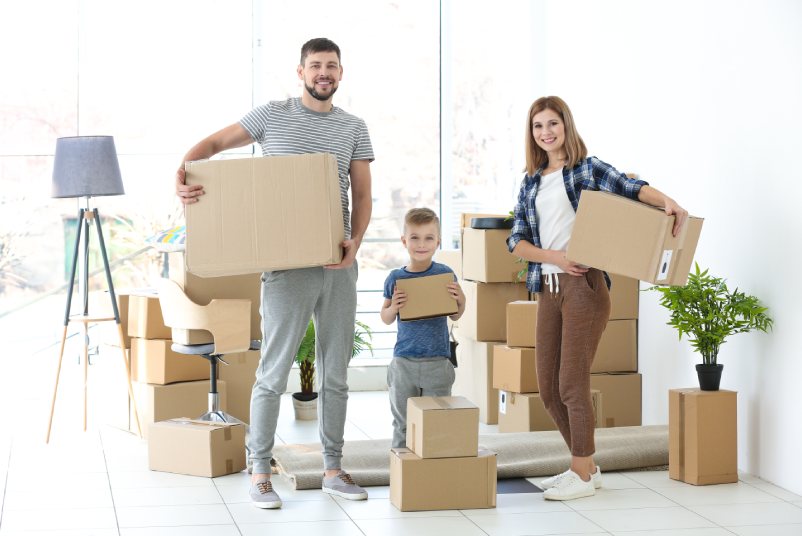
column 5, row 484
column 108, row 481
column 228, row 509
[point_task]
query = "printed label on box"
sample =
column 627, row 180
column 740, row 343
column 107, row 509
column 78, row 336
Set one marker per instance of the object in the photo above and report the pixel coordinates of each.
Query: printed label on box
column 502, row 402
column 665, row 264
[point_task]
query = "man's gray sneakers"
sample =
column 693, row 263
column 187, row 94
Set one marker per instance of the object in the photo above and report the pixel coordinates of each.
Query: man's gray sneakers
column 263, row 496
column 343, row 485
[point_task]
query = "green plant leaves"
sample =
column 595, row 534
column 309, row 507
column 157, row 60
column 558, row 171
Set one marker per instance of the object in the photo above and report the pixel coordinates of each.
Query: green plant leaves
column 707, row 312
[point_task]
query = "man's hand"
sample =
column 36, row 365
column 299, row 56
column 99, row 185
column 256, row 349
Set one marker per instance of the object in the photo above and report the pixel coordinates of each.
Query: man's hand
column 186, row 194
column 679, row 213
column 350, row 248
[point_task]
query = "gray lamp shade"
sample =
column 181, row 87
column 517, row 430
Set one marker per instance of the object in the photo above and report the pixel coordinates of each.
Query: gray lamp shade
column 86, row 166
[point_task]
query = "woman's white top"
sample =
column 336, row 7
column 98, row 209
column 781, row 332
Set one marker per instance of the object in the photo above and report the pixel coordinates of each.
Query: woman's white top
column 555, row 216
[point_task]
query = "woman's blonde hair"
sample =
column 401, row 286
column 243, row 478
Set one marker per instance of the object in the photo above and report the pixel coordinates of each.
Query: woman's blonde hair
column 575, row 149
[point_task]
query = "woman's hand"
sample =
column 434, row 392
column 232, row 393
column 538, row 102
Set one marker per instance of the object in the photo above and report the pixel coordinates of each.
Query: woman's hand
column 569, row 267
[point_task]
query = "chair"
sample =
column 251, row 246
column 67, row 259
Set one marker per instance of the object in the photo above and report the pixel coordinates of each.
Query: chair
column 228, row 320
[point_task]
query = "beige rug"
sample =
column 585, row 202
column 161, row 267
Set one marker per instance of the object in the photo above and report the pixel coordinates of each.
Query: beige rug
column 519, row 455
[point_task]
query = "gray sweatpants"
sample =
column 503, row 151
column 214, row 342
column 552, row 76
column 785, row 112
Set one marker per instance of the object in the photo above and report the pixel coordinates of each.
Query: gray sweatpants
column 415, row 376
column 289, row 299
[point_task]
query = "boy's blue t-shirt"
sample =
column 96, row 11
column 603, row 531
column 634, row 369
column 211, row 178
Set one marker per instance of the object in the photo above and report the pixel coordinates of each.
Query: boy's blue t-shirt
column 419, row 338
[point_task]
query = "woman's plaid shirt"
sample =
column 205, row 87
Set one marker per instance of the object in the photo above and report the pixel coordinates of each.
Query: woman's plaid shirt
column 590, row 174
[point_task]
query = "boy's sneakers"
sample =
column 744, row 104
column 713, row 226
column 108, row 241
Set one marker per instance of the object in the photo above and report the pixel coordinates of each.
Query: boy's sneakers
column 552, row 480
column 569, row 486
column 343, row 485
column 263, row 496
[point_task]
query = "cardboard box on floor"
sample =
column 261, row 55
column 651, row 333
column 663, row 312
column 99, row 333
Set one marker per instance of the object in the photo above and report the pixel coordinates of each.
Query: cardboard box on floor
column 703, row 436
column 524, row 412
column 485, row 256
column 202, row 290
column 427, row 297
column 442, row 426
column 485, row 316
column 514, row 369
column 152, row 361
column 521, row 323
column 239, row 376
column 633, row 239
column 145, row 319
column 474, row 376
column 618, row 348
column 624, row 297
column 262, row 214
column 451, row 258
column 442, row 483
column 622, row 398
column 162, row 402
column 197, row 448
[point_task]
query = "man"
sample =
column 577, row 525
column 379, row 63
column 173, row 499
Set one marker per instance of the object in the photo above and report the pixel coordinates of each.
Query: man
column 309, row 124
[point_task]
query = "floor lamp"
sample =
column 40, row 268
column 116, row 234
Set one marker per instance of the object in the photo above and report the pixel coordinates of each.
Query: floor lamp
column 85, row 167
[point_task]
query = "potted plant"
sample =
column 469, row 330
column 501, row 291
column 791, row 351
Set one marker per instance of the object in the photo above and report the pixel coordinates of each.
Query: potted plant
column 707, row 312
column 305, row 401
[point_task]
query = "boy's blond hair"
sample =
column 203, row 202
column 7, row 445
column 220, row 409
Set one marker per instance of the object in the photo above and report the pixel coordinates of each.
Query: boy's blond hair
column 421, row 216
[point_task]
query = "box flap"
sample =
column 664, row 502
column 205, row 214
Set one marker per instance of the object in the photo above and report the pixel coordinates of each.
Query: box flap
column 433, row 403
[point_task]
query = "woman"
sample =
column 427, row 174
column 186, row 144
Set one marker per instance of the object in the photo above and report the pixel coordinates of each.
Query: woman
column 574, row 300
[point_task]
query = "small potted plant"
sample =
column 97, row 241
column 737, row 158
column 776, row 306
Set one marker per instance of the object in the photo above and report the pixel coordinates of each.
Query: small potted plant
column 707, row 312
column 305, row 401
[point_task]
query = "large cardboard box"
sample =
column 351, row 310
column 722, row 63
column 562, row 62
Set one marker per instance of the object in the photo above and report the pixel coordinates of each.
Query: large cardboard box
column 521, row 323
column 525, row 412
column 618, row 348
column 262, row 214
column 451, row 258
column 198, row 448
column 152, row 361
column 702, row 436
column 485, row 316
column 427, row 297
column 162, row 402
column 622, row 398
column 145, row 318
column 625, row 237
column 239, row 376
column 442, row 483
column 474, row 376
column 485, row 256
column 514, row 369
column 624, row 297
column 442, row 426
column 202, row 290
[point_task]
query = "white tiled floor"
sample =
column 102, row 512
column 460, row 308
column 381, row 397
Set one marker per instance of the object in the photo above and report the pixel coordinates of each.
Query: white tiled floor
column 96, row 483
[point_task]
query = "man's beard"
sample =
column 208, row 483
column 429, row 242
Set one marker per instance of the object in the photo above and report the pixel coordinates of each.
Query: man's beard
column 312, row 91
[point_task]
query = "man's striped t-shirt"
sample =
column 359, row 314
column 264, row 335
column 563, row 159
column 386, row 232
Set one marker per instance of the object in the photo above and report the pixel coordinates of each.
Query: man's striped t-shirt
column 288, row 127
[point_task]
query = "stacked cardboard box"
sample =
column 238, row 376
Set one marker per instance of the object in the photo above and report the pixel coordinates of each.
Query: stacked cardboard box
column 490, row 282
column 615, row 367
column 442, row 467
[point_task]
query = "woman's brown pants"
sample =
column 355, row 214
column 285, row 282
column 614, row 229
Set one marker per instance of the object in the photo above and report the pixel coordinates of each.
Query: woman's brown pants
column 571, row 318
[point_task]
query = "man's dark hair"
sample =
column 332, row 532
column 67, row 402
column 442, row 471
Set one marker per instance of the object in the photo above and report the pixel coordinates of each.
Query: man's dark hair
column 319, row 44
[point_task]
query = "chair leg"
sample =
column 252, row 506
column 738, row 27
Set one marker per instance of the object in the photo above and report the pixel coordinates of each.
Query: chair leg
column 128, row 376
column 55, row 389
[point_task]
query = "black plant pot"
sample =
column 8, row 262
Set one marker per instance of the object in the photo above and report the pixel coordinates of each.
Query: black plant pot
column 709, row 376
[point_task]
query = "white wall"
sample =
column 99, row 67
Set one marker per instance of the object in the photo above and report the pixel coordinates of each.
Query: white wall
column 702, row 98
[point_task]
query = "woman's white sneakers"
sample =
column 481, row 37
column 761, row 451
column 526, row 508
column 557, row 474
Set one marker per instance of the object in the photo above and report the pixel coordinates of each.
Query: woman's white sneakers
column 549, row 482
column 569, row 485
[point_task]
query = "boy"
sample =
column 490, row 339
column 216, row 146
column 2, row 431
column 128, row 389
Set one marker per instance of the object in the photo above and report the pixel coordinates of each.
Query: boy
column 420, row 366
